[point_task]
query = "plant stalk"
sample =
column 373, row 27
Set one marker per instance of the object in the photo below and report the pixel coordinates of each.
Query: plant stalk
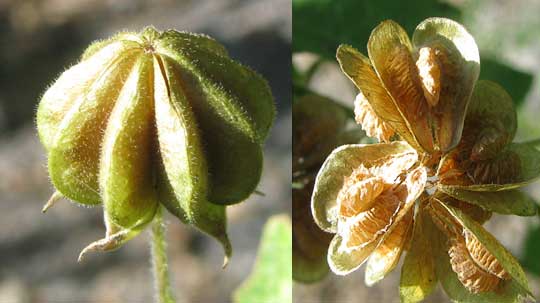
column 160, row 264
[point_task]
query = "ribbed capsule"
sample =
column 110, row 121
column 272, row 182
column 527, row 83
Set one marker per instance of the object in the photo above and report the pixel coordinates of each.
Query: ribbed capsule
column 154, row 118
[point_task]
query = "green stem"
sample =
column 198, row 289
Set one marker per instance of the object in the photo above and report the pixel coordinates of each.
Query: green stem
column 159, row 260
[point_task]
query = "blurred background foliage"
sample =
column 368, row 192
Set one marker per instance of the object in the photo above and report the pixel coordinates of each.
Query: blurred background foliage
column 507, row 34
column 38, row 253
column 270, row 280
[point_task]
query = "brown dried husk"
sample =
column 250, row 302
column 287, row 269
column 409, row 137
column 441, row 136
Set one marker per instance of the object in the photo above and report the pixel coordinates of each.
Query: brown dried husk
column 367, row 226
column 469, row 273
column 359, row 192
column 477, row 269
column 371, row 123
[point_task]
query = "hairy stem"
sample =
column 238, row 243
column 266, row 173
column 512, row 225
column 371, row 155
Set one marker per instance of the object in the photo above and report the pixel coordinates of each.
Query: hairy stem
column 159, row 260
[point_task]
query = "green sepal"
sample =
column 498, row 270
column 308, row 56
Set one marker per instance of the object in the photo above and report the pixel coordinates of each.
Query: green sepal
column 234, row 110
column 126, row 176
column 74, row 147
column 182, row 174
column 492, row 117
column 115, row 237
column 418, row 278
column 507, row 202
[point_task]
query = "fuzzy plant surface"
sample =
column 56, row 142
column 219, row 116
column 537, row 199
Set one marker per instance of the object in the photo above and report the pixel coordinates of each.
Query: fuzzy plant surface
column 154, row 119
column 444, row 163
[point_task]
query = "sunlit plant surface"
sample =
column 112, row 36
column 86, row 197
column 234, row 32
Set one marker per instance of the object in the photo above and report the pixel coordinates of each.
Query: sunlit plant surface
column 444, row 164
column 156, row 120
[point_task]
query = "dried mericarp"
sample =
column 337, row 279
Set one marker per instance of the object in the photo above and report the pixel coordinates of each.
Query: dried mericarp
column 362, row 216
column 482, row 257
column 368, row 201
column 500, row 170
column 359, row 192
column 362, row 229
column 477, row 269
column 422, row 89
column 429, row 79
column 371, row 123
column 404, row 83
column 471, row 275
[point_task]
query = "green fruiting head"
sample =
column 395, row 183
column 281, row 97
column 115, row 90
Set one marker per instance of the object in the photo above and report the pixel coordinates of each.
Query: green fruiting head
column 156, row 118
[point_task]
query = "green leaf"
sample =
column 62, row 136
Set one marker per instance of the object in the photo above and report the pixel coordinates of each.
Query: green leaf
column 516, row 82
column 358, row 68
column 270, row 280
column 508, row 202
column 519, row 281
column 340, row 164
column 531, row 250
column 460, row 67
column 418, row 277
